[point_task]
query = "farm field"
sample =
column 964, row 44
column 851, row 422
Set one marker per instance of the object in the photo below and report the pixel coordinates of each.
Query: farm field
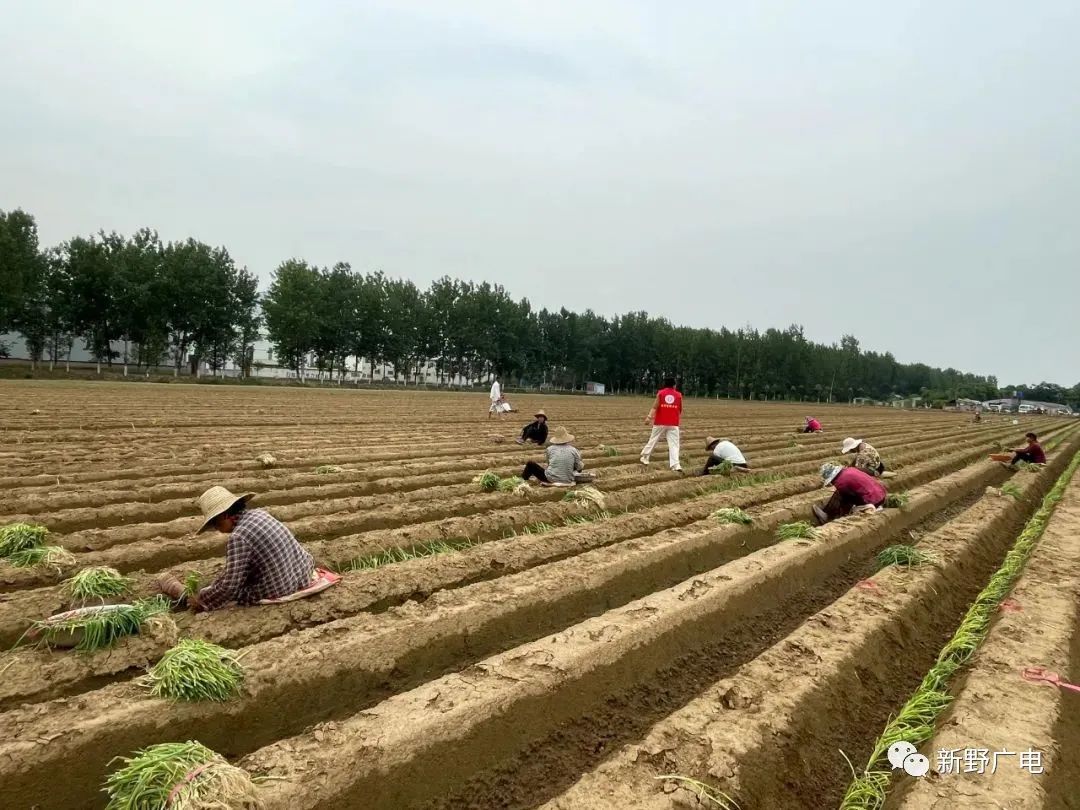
column 489, row 650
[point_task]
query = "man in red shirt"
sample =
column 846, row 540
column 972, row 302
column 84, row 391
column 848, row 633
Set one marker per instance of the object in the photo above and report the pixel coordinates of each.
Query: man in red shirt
column 664, row 418
column 854, row 490
column 1032, row 454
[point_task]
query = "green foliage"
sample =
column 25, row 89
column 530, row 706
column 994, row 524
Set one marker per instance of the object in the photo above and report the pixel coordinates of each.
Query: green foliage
column 192, row 583
column 488, row 481
column 402, row 554
column 799, row 530
column 159, row 776
column 21, row 536
column 611, row 452
column 196, row 670
column 915, row 722
column 732, row 514
column 97, row 583
column 903, row 555
column 42, row 556
column 328, row 469
column 723, row 468
column 1012, row 490
column 101, row 628
column 509, row 484
column 895, row 500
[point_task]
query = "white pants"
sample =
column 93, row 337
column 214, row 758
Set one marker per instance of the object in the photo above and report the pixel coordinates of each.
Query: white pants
column 670, row 434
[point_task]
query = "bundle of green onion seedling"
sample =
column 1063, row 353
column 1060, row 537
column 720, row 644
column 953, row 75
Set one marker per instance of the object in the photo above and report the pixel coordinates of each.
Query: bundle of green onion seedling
column 98, row 627
column 796, row 531
column 16, row 537
column 196, row 670
column 98, row 583
column 179, row 776
column 732, row 514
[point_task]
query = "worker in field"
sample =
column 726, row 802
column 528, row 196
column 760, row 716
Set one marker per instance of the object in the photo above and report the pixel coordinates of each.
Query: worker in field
column 664, row 417
column 263, row 560
column 564, row 464
column 496, row 397
column 866, row 457
column 536, row 431
column 1032, row 452
column 724, row 450
column 854, row 490
column 812, row 425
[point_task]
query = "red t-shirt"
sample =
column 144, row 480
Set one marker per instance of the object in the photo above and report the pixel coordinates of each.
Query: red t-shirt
column 858, row 484
column 1036, row 451
column 814, row 424
column 668, row 407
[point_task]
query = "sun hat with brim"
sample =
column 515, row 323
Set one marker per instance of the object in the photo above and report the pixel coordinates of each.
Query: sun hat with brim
column 710, row 441
column 850, row 444
column 829, row 473
column 540, row 413
column 217, row 501
column 560, row 436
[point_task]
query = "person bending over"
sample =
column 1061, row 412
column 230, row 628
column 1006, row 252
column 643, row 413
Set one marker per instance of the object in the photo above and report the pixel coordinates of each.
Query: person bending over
column 854, row 490
column 721, row 450
column 263, row 560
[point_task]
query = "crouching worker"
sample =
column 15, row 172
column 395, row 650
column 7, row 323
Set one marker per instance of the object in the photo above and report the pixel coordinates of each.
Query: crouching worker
column 812, row 425
column 1032, row 453
column 264, row 563
column 564, row 464
column 866, row 458
column 854, row 491
column 536, row 431
column 721, row 450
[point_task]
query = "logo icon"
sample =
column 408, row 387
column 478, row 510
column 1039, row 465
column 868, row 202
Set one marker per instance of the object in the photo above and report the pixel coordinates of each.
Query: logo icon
column 669, row 399
column 903, row 755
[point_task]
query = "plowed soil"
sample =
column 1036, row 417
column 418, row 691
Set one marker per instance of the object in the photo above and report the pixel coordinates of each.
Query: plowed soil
column 556, row 652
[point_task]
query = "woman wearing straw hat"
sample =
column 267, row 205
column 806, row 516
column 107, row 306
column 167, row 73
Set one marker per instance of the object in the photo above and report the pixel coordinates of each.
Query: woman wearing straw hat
column 563, row 462
column 263, row 560
column 536, row 431
column 723, row 450
column 854, row 491
column 866, row 457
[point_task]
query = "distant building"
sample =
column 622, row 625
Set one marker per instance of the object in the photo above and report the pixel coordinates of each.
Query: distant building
column 1019, row 404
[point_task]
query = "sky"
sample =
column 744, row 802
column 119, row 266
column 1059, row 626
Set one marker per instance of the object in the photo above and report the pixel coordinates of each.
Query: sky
column 907, row 172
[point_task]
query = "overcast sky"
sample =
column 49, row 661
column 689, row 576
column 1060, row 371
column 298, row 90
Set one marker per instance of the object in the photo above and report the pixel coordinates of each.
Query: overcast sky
column 907, row 172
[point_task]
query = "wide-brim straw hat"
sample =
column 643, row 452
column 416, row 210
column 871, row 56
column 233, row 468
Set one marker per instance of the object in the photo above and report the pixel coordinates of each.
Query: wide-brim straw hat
column 560, row 436
column 710, row 441
column 850, row 444
column 217, row 501
column 829, row 473
column 539, row 414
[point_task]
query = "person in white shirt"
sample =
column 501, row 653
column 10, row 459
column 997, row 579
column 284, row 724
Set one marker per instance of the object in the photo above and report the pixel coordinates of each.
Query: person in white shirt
column 721, row 450
column 496, row 400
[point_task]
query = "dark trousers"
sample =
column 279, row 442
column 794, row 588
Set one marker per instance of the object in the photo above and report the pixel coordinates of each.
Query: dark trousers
column 1023, row 456
column 841, row 504
column 534, row 470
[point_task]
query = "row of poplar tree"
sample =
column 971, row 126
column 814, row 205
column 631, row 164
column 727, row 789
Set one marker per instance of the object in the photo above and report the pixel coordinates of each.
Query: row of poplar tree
column 187, row 302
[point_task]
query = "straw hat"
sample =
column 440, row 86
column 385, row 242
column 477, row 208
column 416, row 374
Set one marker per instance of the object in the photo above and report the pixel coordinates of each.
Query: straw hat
column 539, row 414
column 218, row 500
column 850, row 444
column 710, row 441
column 560, row 436
column 829, row 473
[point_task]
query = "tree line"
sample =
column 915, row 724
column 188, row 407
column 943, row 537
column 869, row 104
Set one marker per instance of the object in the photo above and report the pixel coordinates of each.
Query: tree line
column 188, row 302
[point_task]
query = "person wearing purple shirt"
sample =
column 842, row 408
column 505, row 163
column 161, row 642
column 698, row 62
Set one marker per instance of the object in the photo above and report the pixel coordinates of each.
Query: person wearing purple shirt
column 854, row 489
column 1032, row 454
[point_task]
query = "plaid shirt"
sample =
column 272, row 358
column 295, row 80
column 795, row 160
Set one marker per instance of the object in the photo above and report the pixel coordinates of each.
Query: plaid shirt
column 263, row 560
